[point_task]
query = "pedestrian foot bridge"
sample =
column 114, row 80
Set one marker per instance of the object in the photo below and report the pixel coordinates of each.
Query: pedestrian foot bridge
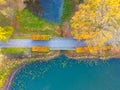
column 53, row 44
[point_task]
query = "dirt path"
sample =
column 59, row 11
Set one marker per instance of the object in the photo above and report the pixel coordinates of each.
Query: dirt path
column 66, row 30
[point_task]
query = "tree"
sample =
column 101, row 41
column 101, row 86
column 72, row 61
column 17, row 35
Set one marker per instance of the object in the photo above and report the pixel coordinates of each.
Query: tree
column 33, row 6
column 2, row 2
column 5, row 33
column 96, row 21
column 4, row 21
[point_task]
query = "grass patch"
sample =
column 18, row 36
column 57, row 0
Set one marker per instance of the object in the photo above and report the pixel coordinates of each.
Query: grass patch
column 31, row 24
column 21, row 36
column 68, row 9
column 4, row 20
column 19, row 51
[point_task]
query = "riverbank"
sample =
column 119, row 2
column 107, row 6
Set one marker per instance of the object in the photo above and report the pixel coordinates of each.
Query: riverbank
column 57, row 72
column 11, row 76
column 26, row 53
column 11, row 64
column 114, row 52
column 70, row 54
column 6, row 67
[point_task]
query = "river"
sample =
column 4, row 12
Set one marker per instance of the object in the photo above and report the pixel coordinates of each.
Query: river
column 52, row 10
column 62, row 73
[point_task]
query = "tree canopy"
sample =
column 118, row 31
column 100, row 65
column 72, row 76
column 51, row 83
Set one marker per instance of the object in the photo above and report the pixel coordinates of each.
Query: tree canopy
column 2, row 2
column 96, row 21
column 33, row 6
column 5, row 33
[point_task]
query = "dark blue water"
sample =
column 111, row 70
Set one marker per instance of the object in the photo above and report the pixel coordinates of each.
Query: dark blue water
column 62, row 73
column 52, row 10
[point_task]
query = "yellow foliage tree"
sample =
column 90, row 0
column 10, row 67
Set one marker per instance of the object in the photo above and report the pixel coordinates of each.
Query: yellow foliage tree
column 2, row 2
column 96, row 21
column 5, row 33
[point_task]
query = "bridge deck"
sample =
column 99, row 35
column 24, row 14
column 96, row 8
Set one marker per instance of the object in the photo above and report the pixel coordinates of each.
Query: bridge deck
column 53, row 44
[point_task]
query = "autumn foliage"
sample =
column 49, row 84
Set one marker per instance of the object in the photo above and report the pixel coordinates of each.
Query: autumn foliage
column 42, row 49
column 96, row 21
column 93, row 50
column 5, row 32
column 2, row 2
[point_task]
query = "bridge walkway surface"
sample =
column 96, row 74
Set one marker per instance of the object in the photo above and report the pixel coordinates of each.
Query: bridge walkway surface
column 53, row 43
